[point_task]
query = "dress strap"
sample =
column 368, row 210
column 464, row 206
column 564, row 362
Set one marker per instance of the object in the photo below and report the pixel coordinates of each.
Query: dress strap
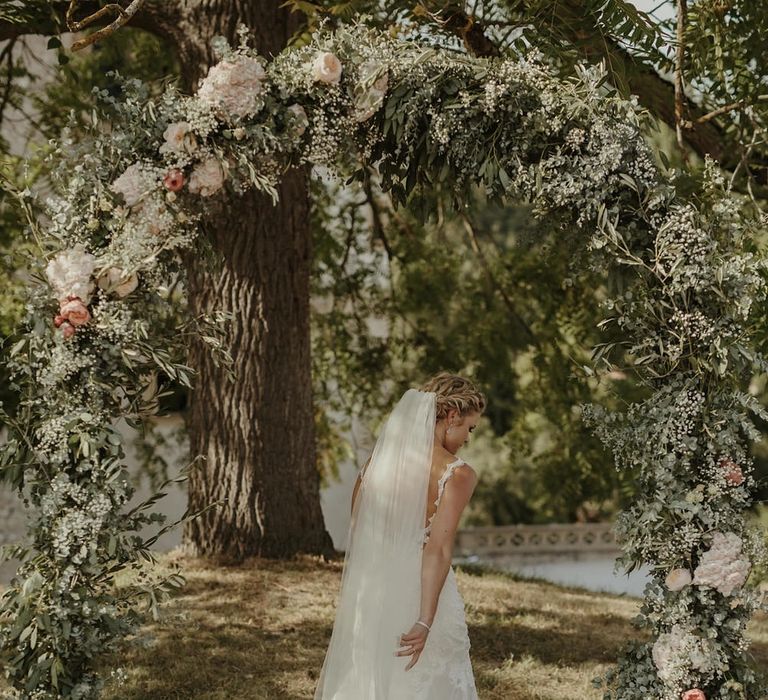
column 440, row 488
column 446, row 475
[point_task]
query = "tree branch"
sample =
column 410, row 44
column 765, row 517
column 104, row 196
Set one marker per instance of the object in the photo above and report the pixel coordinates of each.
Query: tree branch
column 475, row 243
column 7, row 52
column 722, row 110
column 123, row 16
column 457, row 21
column 159, row 17
column 656, row 94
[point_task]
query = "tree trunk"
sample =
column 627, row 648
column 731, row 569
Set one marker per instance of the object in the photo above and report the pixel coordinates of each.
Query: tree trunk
column 256, row 433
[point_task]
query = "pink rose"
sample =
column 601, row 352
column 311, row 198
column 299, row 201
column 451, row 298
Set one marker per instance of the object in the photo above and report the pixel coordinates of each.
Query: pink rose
column 67, row 329
column 731, row 471
column 694, row 694
column 174, row 180
column 58, row 319
column 677, row 579
column 75, row 312
column 178, row 138
column 326, row 68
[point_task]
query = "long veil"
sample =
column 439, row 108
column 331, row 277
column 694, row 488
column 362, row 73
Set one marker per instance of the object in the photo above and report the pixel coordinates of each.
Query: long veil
column 380, row 594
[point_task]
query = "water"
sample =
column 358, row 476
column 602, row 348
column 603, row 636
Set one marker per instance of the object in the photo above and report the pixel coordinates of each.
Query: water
column 594, row 574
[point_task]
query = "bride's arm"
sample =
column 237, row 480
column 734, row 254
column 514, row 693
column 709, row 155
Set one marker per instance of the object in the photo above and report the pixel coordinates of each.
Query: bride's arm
column 438, row 552
column 357, row 485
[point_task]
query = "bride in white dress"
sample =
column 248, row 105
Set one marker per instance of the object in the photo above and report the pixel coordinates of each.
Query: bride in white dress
column 400, row 631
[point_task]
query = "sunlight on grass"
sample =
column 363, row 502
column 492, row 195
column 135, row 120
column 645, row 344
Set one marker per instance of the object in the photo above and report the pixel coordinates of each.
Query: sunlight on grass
column 260, row 631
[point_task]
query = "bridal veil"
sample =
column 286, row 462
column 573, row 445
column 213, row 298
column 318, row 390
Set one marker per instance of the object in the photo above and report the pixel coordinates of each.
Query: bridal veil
column 380, row 594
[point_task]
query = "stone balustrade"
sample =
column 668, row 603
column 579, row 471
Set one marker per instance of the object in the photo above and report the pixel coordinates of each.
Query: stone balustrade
column 574, row 540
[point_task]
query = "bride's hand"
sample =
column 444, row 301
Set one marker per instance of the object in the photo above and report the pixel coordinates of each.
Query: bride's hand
column 414, row 641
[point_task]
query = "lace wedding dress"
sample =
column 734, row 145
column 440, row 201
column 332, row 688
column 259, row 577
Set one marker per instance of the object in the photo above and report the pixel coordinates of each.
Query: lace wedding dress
column 380, row 593
column 444, row 669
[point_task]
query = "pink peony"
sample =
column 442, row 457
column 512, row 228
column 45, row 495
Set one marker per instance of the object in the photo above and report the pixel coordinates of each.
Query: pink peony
column 234, row 87
column 723, row 566
column 67, row 329
column 75, row 312
column 207, row 178
column 114, row 279
column 135, row 181
column 694, row 694
column 326, row 68
column 174, row 180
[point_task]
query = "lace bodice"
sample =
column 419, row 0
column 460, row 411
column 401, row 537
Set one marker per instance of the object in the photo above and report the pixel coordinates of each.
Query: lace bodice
column 440, row 487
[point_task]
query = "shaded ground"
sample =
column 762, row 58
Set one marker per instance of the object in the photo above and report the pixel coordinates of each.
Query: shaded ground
column 260, row 631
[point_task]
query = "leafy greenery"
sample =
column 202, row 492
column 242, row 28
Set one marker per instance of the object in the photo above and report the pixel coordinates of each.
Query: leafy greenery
column 573, row 152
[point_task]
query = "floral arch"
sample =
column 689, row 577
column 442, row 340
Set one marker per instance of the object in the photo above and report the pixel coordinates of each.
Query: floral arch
column 133, row 195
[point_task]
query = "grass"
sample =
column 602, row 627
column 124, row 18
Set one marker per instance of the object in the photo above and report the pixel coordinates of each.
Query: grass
column 260, row 631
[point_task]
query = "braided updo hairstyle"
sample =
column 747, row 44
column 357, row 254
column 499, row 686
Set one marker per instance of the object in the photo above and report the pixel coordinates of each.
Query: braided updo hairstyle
column 456, row 392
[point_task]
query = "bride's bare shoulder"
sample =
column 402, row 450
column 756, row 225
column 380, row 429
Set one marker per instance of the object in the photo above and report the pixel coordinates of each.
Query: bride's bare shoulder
column 441, row 456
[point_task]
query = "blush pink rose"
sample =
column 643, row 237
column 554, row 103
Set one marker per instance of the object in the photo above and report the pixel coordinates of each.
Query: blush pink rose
column 174, row 180
column 326, row 68
column 677, row 579
column 75, row 312
column 67, row 329
column 58, row 319
column 694, row 694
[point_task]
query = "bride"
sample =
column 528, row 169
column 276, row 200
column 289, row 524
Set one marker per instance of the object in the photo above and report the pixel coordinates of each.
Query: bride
column 400, row 632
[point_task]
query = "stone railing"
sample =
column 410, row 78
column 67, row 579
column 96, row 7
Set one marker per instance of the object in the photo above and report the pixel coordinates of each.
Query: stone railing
column 575, row 540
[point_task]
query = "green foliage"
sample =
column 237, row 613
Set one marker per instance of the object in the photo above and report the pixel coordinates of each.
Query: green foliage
column 573, row 152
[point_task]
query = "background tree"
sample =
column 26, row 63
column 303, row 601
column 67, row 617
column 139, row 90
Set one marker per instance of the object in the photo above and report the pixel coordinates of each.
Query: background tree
column 530, row 332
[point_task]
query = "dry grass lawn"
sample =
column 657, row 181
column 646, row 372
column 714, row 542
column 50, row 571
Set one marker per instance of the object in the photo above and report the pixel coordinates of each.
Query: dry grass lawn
column 260, row 631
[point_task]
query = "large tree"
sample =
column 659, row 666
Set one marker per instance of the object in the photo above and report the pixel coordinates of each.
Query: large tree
column 258, row 432
column 256, row 428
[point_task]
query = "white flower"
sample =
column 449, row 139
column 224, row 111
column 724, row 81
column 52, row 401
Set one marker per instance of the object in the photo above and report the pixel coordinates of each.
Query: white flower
column 178, row 138
column 326, row 68
column 133, row 184
column 206, row 178
column 301, row 119
column 234, row 87
column 239, row 133
column 113, row 279
column 69, row 273
column 722, row 566
column 677, row 651
column 677, row 579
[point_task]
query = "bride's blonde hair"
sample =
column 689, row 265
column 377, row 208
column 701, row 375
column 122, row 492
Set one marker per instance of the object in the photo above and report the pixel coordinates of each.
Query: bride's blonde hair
column 454, row 391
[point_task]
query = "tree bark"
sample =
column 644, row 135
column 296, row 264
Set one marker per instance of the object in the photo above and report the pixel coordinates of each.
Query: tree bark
column 257, row 433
